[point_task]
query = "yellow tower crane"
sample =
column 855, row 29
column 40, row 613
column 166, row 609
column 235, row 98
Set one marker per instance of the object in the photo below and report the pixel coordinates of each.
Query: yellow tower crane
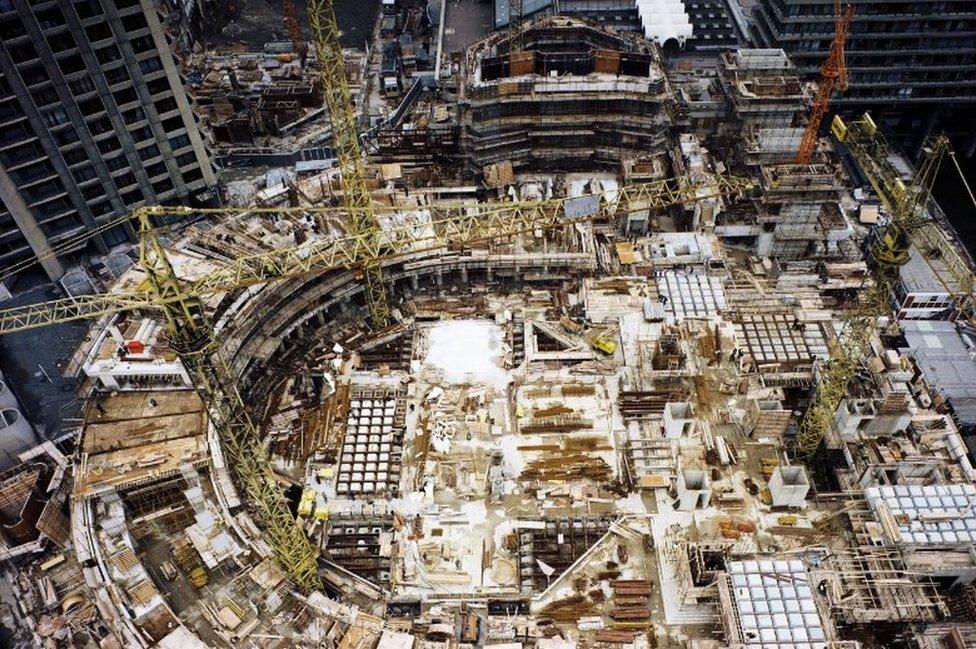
column 345, row 140
column 906, row 205
column 191, row 334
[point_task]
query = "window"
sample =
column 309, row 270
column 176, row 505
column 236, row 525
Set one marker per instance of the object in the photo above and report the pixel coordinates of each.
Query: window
column 100, row 209
column 125, row 96
column 62, row 225
column 193, row 175
column 173, row 124
column 100, row 125
column 133, row 197
column 150, row 65
column 44, row 96
column 122, row 4
column 23, row 52
column 125, row 180
column 142, row 44
column 61, row 42
column 142, row 134
column 16, row 133
column 116, row 163
column 65, row 136
column 179, row 141
column 91, row 106
column 116, row 75
column 11, row 28
column 150, row 152
column 81, row 86
column 87, row 8
column 98, row 32
column 185, row 159
column 110, row 144
column 157, row 86
column 54, row 208
column 165, row 105
column 50, row 17
column 54, row 117
column 38, row 193
column 33, row 75
column 134, row 22
column 84, row 173
column 163, row 186
column 33, row 173
column 93, row 192
column 74, row 156
column 134, row 115
column 20, row 154
column 108, row 54
column 157, row 169
column 10, row 110
column 71, row 64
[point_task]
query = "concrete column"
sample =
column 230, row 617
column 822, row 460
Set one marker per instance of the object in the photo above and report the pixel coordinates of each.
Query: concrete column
column 29, row 227
column 439, row 278
column 464, row 274
column 414, row 281
column 158, row 32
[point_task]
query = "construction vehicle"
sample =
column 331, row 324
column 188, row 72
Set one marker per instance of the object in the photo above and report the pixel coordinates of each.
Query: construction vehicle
column 605, row 342
column 307, row 503
column 788, row 520
column 191, row 335
column 570, row 326
column 833, row 76
column 905, row 203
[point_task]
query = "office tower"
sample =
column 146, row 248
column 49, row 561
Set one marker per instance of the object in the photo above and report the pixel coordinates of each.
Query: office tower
column 93, row 122
column 913, row 64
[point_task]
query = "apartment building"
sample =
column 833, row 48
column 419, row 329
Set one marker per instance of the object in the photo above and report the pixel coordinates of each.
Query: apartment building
column 93, row 122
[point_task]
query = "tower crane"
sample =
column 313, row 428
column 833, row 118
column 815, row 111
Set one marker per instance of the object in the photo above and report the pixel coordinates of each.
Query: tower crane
column 833, row 76
column 191, row 334
column 906, row 204
column 345, row 139
column 290, row 15
column 515, row 27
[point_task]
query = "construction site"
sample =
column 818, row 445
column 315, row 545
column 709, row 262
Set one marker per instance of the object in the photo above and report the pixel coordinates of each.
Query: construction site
column 572, row 349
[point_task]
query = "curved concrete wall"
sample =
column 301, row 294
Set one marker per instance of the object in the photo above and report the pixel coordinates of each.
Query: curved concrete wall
column 16, row 432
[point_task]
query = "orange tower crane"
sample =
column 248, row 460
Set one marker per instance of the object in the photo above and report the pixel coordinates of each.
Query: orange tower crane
column 290, row 13
column 833, row 76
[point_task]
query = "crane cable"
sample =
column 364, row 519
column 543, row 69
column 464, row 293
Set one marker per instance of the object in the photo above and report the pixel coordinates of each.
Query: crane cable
column 962, row 176
column 70, row 242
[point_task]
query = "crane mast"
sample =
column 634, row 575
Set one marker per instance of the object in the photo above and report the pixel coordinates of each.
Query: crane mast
column 345, row 139
column 290, row 15
column 905, row 203
column 833, row 76
column 515, row 43
column 191, row 336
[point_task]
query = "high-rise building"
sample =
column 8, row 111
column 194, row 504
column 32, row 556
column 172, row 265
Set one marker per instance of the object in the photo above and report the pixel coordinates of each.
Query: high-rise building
column 93, row 121
column 912, row 63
